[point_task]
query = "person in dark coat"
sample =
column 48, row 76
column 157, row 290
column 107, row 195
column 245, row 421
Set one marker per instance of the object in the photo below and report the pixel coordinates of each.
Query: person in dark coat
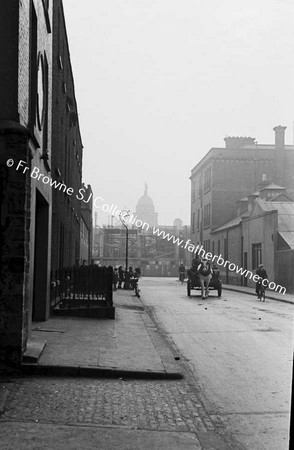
column 182, row 271
column 196, row 261
column 261, row 272
column 120, row 276
column 115, row 279
column 215, row 271
column 193, row 272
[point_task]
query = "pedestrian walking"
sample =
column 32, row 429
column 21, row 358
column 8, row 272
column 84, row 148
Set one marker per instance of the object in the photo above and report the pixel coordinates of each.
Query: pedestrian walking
column 115, row 279
column 261, row 272
column 120, row 277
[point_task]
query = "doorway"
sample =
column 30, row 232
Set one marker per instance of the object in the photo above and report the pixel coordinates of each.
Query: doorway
column 40, row 310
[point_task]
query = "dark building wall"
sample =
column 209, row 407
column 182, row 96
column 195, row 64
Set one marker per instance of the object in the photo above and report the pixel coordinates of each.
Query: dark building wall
column 228, row 244
column 34, row 106
column 9, row 24
column 25, row 129
column 14, row 246
column 67, row 150
column 284, row 263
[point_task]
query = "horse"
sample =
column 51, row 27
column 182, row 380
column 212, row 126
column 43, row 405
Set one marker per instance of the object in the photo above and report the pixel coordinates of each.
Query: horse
column 205, row 274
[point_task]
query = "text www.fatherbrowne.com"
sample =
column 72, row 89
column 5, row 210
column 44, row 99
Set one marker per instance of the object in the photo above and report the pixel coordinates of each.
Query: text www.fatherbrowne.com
column 133, row 220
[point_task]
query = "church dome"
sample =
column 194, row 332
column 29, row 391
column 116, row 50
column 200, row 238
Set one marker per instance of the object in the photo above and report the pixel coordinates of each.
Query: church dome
column 145, row 202
column 145, row 209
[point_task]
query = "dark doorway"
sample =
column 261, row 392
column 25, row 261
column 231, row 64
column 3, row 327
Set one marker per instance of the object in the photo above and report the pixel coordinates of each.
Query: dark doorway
column 40, row 293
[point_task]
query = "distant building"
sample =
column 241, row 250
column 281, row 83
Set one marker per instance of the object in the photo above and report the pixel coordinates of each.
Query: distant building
column 178, row 223
column 155, row 255
column 226, row 175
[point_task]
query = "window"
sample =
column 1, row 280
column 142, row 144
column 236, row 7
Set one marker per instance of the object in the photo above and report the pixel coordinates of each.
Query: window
column 33, row 67
column 193, row 222
column 256, row 255
column 60, row 63
column 46, row 94
column 207, row 179
column 207, row 214
column 193, row 190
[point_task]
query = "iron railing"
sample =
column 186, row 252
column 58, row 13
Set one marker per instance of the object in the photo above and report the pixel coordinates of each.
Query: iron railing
column 85, row 286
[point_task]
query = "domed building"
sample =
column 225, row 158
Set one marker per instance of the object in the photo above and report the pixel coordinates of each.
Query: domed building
column 145, row 209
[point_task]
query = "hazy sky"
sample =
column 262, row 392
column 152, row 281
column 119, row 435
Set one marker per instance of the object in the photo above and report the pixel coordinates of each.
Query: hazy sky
column 160, row 82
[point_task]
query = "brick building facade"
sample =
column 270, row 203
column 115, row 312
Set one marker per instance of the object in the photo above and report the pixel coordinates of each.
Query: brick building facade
column 25, row 135
column 40, row 144
column 67, row 150
column 226, row 175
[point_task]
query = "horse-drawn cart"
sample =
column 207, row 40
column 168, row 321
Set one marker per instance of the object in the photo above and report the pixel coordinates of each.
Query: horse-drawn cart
column 193, row 283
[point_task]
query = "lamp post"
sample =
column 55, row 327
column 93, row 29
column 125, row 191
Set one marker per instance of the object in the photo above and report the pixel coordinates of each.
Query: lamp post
column 123, row 216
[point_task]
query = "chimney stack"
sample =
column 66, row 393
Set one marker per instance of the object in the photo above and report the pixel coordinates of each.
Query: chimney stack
column 238, row 142
column 280, row 154
column 251, row 199
column 280, row 137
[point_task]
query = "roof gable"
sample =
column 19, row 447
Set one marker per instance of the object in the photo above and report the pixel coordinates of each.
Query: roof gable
column 259, row 206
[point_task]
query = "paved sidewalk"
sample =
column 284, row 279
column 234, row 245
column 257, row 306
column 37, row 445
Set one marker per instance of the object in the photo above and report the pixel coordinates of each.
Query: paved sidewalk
column 129, row 345
column 287, row 298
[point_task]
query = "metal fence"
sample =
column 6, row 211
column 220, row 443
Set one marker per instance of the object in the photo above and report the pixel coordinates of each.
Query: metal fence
column 82, row 286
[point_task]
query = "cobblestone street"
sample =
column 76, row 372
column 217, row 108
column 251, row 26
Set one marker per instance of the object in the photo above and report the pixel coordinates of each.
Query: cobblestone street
column 161, row 405
column 127, row 404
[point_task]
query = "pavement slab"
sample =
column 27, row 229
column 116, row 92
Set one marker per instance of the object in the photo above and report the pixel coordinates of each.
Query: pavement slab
column 269, row 294
column 32, row 436
column 104, row 347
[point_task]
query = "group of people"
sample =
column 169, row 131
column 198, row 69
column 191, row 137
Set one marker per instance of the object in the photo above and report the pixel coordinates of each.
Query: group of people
column 127, row 277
